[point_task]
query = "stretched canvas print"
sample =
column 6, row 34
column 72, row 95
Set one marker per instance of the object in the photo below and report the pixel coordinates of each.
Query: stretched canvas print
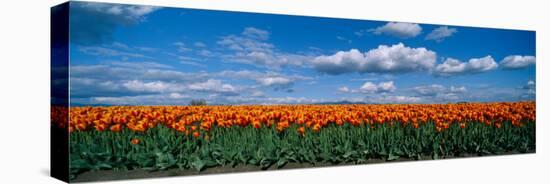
column 141, row 91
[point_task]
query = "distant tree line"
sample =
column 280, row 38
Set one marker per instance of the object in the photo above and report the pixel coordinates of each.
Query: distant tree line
column 197, row 102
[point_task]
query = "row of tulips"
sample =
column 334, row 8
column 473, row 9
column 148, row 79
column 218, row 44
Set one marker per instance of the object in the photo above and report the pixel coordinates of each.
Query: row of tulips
column 191, row 119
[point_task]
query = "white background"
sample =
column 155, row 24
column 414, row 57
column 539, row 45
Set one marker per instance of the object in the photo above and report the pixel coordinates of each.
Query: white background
column 24, row 94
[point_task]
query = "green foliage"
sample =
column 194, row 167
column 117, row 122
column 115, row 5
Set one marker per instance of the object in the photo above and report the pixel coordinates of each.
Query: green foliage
column 198, row 102
column 163, row 148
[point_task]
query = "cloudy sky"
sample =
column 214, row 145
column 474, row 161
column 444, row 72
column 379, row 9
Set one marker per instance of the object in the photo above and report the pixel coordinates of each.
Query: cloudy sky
column 142, row 55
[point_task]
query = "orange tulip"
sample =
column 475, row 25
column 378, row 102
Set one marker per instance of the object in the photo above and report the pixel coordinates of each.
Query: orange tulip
column 135, row 141
column 301, row 130
column 116, row 128
column 316, row 127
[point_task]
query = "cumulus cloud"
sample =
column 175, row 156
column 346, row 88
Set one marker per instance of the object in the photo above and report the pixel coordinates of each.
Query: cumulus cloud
column 341, row 62
column 94, row 23
column 399, row 29
column 371, row 88
column 397, row 58
column 517, row 62
column 382, row 87
column 440, row 33
column 451, row 67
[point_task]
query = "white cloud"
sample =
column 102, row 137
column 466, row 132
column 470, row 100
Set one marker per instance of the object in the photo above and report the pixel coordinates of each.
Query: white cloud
column 257, row 94
column 382, row 87
column 148, row 99
column 452, row 66
column 143, row 82
column 341, row 62
column 460, row 89
column 120, row 45
column 267, row 100
column 178, row 96
column 155, row 86
column 440, row 33
column 116, row 79
column 530, row 83
column 430, row 90
column 182, row 47
column 147, row 72
column 107, row 52
column 436, row 90
column 191, row 61
column 270, row 81
column 393, row 99
column 89, row 87
column 146, row 49
column 199, row 44
column 214, row 86
column 126, row 11
column 530, row 87
column 517, row 62
column 399, row 58
column 344, row 89
column 206, row 53
column 369, row 87
column 255, row 33
column 384, row 59
column 290, row 100
column 97, row 22
column 386, row 86
column 250, row 47
column 245, row 44
column 343, row 39
column 277, row 81
column 399, row 29
column 140, row 65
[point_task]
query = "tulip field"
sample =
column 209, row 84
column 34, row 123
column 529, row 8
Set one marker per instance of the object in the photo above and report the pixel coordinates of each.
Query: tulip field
column 272, row 136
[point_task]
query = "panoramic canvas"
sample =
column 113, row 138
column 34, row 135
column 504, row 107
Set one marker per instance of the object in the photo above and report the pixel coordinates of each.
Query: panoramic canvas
column 141, row 91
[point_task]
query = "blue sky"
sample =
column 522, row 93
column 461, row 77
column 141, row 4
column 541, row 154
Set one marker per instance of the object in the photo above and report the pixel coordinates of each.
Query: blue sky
column 143, row 55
